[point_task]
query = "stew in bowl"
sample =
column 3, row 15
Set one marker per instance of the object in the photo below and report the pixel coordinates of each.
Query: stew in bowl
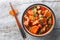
column 38, row 20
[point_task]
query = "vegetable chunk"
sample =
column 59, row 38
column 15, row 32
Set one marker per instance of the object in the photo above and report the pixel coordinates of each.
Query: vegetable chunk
column 34, row 29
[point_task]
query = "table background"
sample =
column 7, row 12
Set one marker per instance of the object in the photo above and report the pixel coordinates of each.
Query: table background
column 8, row 27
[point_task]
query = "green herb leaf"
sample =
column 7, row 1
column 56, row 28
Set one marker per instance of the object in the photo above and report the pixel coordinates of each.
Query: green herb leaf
column 40, row 16
column 34, row 14
column 34, row 10
column 50, row 25
column 33, row 19
column 48, row 18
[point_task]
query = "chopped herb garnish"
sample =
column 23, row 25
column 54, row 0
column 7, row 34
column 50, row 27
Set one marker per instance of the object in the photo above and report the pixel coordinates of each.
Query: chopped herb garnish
column 33, row 19
column 34, row 10
column 34, row 14
column 48, row 18
column 40, row 16
column 50, row 25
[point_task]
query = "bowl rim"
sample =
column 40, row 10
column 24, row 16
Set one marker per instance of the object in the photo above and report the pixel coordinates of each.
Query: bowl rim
column 46, row 32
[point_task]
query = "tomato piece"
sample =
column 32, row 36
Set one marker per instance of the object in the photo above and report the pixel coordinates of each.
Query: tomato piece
column 42, row 12
column 48, row 14
column 34, row 29
column 43, row 8
column 30, row 12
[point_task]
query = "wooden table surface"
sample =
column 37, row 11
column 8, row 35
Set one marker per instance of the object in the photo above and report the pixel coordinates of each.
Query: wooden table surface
column 8, row 27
